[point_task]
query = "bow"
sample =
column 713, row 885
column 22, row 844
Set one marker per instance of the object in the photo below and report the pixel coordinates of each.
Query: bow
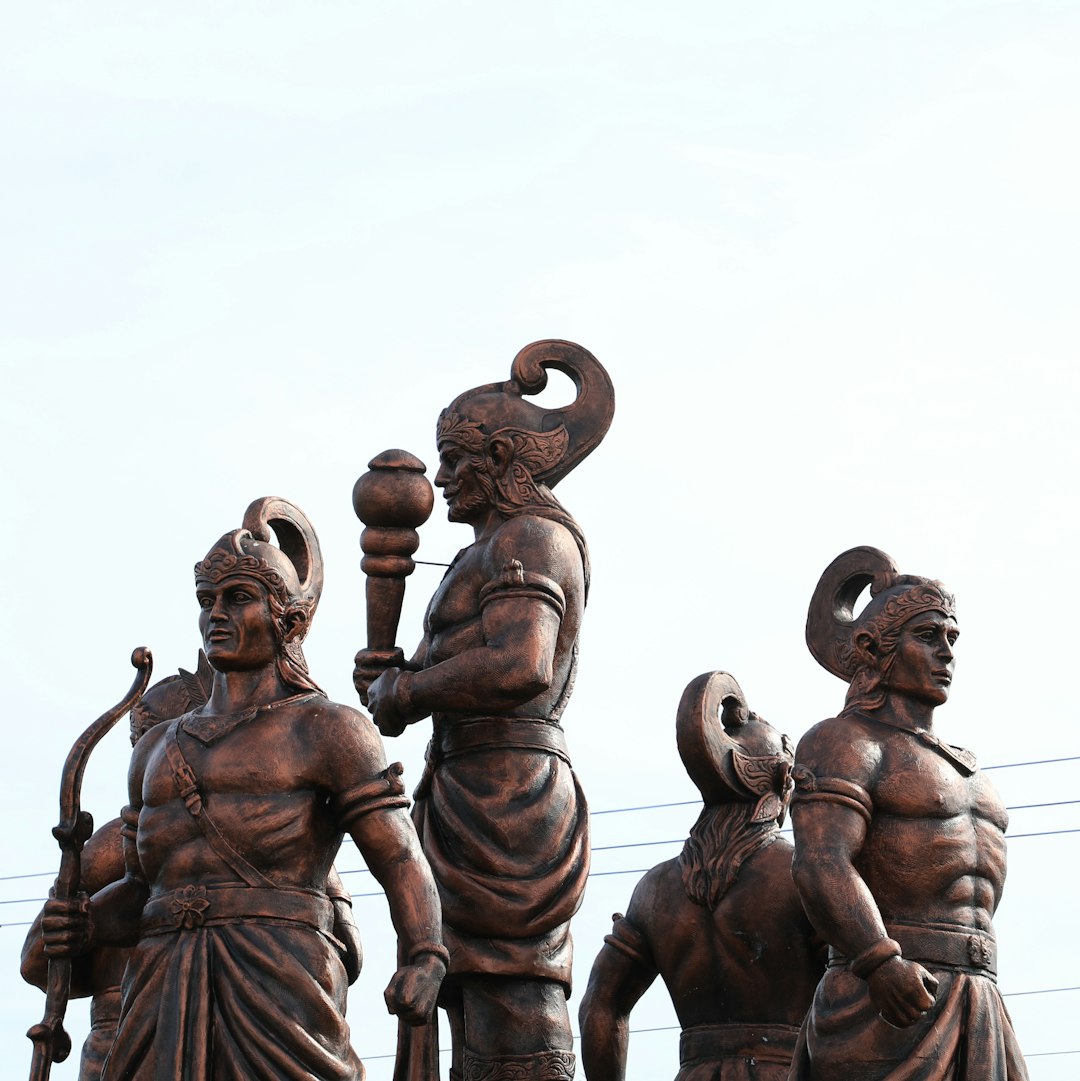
column 51, row 1042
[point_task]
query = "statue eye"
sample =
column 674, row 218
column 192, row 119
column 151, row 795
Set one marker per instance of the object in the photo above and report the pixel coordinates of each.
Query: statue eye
column 206, row 602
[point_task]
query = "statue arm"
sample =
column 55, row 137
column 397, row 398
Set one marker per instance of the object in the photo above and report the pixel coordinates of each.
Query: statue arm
column 514, row 665
column 111, row 916
column 831, row 814
column 620, row 975
column 102, row 863
column 374, row 813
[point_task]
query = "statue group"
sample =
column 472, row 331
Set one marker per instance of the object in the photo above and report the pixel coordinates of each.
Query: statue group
column 217, row 942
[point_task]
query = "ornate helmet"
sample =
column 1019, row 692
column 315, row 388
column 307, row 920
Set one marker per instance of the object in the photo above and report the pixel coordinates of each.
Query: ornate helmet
column 831, row 624
column 548, row 443
column 292, row 573
column 730, row 753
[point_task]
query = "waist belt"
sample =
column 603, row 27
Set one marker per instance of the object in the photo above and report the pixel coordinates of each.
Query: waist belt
column 105, row 1007
column 971, row 950
column 192, row 907
column 515, row 733
column 766, row 1043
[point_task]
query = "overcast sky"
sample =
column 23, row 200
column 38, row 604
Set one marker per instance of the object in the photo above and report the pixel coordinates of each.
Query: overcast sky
column 826, row 251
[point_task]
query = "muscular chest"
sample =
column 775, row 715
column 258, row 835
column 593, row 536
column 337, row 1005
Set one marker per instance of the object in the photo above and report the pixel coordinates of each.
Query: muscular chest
column 453, row 615
column 918, row 782
column 256, row 760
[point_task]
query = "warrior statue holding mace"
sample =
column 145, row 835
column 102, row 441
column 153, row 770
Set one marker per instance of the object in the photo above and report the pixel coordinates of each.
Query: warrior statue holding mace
column 500, row 814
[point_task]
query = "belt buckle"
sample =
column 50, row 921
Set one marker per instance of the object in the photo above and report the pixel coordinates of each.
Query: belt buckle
column 188, row 907
column 980, row 950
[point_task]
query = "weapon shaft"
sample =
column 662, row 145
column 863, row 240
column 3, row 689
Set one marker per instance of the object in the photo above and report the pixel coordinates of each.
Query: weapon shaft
column 51, row 1041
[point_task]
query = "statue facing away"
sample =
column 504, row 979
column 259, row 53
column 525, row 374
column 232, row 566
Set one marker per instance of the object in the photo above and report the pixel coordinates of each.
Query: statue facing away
column 99, row 971
column 899, row 847
column 237, row 809
column 499, row 811
column 722, row 922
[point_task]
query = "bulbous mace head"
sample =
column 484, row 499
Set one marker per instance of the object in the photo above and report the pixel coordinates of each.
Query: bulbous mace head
column 394, row 493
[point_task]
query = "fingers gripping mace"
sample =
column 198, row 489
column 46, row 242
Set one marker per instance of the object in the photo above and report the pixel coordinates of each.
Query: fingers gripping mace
column 392, row 500
column 51, row 1042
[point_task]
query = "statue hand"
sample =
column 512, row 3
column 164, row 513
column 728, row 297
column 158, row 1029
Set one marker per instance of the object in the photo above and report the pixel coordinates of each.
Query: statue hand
column 66, row 930
column 369, row 664
column 382, row 703
column 902, row 991
column 412, row 992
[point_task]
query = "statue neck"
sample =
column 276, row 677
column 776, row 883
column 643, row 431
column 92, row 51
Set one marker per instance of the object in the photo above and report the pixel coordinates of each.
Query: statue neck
column 910, row 713
column 236, row 691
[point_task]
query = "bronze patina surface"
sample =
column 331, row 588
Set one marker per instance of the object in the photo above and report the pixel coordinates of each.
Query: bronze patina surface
column 500, row 814
column 899, row 847
column 236, row 811
column 721, row 923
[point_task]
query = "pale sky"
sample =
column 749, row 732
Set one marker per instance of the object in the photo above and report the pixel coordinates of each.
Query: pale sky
column 826, row 251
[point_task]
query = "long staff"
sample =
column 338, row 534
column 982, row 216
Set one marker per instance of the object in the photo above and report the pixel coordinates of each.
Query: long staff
column 51, row 1042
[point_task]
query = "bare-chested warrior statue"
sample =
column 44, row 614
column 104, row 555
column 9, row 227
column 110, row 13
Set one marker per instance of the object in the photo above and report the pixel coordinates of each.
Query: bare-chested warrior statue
column 99, row 971
column 236, row 812
column 500, row 814
column 721, row 923
column 899, row 847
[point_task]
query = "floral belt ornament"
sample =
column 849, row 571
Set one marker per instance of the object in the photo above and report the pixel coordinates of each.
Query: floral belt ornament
column 189, row 906
column 981, row 951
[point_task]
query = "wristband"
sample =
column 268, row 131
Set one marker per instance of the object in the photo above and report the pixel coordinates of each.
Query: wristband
column 437, row 949
column 873, row 957
column 403, row 703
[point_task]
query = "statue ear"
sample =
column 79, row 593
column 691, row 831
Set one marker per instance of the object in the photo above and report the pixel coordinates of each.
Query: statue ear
column 500, row 450
column 866, row 648
column 295, row 624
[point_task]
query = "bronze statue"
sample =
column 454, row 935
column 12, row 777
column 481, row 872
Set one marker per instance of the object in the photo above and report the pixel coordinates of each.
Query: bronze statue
column 97, row 974
column 499, row 811
column 722, row 922
column 236, row 811
column 899, row 847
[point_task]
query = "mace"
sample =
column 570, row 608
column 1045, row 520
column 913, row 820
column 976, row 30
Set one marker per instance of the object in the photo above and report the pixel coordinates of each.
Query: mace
column 392, row 500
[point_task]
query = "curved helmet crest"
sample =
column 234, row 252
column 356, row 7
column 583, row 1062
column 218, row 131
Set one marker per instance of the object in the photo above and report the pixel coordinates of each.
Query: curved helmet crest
column 730, row 753
column 547, row 442
column 831, row 623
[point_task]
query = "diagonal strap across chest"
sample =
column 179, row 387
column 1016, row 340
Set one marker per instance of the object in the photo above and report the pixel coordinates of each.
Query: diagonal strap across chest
column 187, row 787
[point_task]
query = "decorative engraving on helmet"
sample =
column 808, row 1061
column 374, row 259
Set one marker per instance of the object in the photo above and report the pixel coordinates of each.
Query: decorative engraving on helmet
column 219, row 565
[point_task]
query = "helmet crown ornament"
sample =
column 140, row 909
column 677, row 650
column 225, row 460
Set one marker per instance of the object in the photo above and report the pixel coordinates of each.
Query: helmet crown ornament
column 292, row 572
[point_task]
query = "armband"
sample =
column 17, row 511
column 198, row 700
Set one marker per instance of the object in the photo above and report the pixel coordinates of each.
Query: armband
column 831, row 789
column 630, row 942
column 437, row 949
column 386, row 791
column 515, row 581
column 873, row 957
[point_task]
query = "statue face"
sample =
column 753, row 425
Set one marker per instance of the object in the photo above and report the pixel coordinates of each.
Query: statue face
column 238, row 629
column 923, row 661
column 467, row 491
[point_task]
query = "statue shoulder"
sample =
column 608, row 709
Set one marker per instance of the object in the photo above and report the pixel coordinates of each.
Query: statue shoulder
column 840, row 747
column 346, row 737
column 540, row 544
column 658, row 894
